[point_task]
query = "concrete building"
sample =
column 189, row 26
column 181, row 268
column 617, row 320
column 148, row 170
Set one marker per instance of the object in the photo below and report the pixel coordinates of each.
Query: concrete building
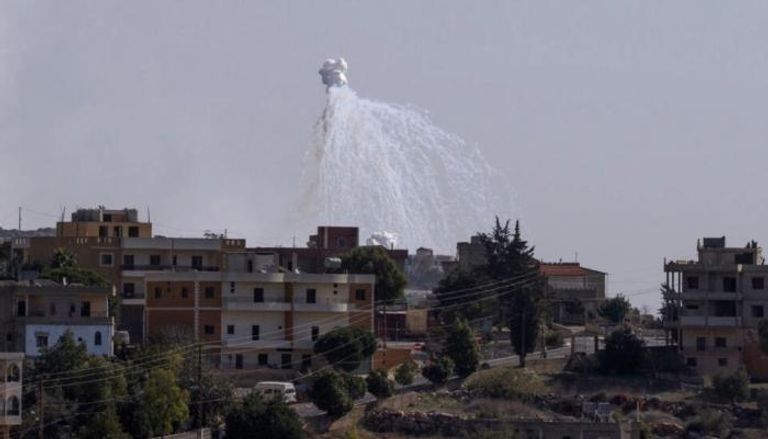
column 11, row 370
column 36, row 316
column 713, row 306
column 259, row 319
column 575, row 292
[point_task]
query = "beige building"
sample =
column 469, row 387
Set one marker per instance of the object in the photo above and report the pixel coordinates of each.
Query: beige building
column 575, row 291
column 714, row 304
column 11, row 369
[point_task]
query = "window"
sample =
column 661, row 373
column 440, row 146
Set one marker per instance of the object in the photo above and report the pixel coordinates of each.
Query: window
column 85, row 309
column 231, row 287
column 722, row 362
column 255, row 332
column 729, row 284
column 306, row 361
column 691, row 362
column 342, row 242
column 129, row 289
column 117, row 231
column 154, row 260
column 14, row 373
column 175, row 261
column 757, row 311
column 106, row 259
column 258, row 295
column 103, row 231
column 97, row 338
column 209, row 330
column 286, row 361
column 720, row 342
column 249, row 266
column 210, row 292
column 13, row 406
column 21, row 308
column 184, row 292
column 701, row 344
column 311, row 295
column 263, row 359
column 52, row 309
column 230, row 329
column 315, row 333
column 758, row 283
column 692, row 307
column 197, row 262
column 133, row 232
column 360, row 294
column 692, row 282
column 158, row 292
column 41, row 340
column 128, row 261
column 107, row 218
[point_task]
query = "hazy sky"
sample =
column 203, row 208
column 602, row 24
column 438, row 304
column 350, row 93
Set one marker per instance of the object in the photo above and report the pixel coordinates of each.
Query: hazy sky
column 626, row 129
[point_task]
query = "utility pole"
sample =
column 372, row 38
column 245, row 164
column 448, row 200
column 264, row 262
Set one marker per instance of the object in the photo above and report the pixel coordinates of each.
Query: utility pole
column 41, row 403
column 522, row 338
column 200, row 414
column 19, row 218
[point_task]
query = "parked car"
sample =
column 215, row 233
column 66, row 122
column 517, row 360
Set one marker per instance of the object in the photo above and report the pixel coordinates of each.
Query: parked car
column 276, row 389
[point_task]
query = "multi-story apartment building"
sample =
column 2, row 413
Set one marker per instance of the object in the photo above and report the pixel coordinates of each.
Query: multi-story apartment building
column 257, row 319
column 36, row 316
column 11, row 370
column 575, row 292
column 713, row 306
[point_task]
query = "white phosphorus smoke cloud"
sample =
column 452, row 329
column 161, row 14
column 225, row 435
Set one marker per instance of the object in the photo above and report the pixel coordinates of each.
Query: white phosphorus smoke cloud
column 387, row 167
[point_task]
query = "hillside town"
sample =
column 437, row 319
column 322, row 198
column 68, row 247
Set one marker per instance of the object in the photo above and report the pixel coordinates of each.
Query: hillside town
column 110, row 330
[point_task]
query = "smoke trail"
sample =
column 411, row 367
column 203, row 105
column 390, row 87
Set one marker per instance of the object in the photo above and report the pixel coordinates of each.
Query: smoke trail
column 386, row 167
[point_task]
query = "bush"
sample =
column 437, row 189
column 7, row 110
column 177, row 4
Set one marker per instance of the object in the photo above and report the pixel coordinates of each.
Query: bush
column 405, row 373
column 330, row 392
column 710, row 422
column 356, row 386
column 504, row 382
column 461, row 347
column 438, row 371
column 623, row 354
column 733, row 387
column 554, row 340
column 379, row 384
column 270, row 418
column 345, row 348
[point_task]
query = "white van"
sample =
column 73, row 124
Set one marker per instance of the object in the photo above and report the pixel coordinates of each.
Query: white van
column 276, row 389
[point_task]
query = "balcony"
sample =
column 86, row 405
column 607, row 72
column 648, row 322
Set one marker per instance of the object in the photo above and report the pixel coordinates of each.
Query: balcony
column 247, row 304
column 710, row 321
column 239, row 342
column 162, row 267
column 41, row 317
column 711, row 351
column 710, row 295
column 322, row 305
column 575, row 293
column 10, row 419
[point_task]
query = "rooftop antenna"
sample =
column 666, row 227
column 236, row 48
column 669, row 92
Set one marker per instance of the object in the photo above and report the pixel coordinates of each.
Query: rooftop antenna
column 19, row 218
column 577, row 257
column 149, row 220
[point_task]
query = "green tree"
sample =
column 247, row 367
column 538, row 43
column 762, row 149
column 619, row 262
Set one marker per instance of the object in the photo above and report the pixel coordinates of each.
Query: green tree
column 379, row 384
column 732, row 387
column 256, row 417
column 461, row 347
column 615, row 309
column 405, row 372
column 356, row 386
column 345, row 348
column 105, row 425
column 63, row 259
column 624, row 352
column 164, row 401
column 390, row 280
column 456, row 298
column 438, row 371
column 330, row 393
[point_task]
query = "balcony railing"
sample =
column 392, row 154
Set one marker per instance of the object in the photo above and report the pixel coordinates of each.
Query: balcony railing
column 247, row 304
column 321, row 304
column 164, row 267
column 710, row 321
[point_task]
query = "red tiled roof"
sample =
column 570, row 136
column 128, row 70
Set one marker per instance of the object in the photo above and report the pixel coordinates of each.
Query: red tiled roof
column 565, row 269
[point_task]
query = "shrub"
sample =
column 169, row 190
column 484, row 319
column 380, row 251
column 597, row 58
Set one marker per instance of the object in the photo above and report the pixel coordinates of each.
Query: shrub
column 733, row 387
column 438, row 371
column 330, row 392
column 710, row 422
column 623, row 354
column 356, row 386
column 504, row 382
column 379, row 384
column 270, row 418
column 554, row 340
column 461, row 347
column 345, row 348
column 405, row 373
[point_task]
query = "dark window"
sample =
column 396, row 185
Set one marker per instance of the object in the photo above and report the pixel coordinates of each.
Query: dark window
column 158, row 292
column 263, row 359
column 117, row 231
column 311, row 295
column 210, row 292
column 691, row 362
column 701, row 344
column 13, row 406
column 209, row 330
column 14, row 373
column 286, row 361
column 249, row 266
column 360, row 294
column 758, row 283
column 133, row 232
column 258, row 294
column 129, row 289
column 103, row 231
column 97, row 338
column 290, row 265
column 744, row 258
column 239, row 361
column 757, row 311
column 154, row 260
column 21, row 308
column 41, row 340
column 724, row 308
column 128, row 261
column 85, row 309
column 729, row 284
column 342, row 242
column 230, row 329
column 722, row 362
column 692, row 282
column 315, row 333
column 184, row 292
column 231, row 287
column 197, row 262
column 306, row 361
column 255, row 332
column 720, row 342
column 175, row 260
column 107, row 217
column 52, row 309
column 106, row 259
